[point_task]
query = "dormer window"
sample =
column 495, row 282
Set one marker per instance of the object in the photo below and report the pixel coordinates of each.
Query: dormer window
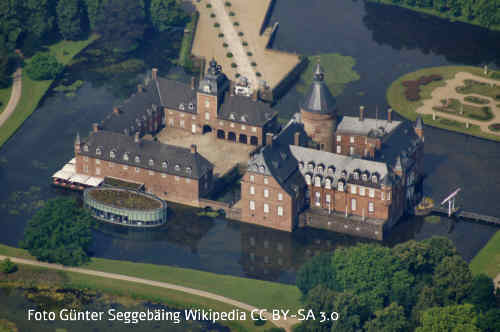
column 308, row 179
column 191, row 106
column 244, row 118
column 151, row 162
column 137, row 159
column 98, row 151
column 188, row 170
column 340, row 186
column 177, row 167
column 356, row 175
column 364, row 177
column 328, row 183
column 86, row 148
column 344, row 174
column 374, row 178
column 231, row 116
column 320, row 168
column 317, row 181
column 262, row 169
column 331, row 170
column 310, row 166
column 125, row 156
column 112, row 154
column 181, row 107
column 164, row 164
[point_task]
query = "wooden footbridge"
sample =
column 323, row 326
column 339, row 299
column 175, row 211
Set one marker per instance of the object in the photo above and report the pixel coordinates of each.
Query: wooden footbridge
column 453, row 210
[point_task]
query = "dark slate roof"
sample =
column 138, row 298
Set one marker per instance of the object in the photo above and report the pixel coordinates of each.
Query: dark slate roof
column 146, row 151
column 367, row 127
column 131, row 109
column 319, row 98
column 287, row 134
column 246, row 111
column 419, row 124
column 400, row 143
column 173, row 94
column 214, row 79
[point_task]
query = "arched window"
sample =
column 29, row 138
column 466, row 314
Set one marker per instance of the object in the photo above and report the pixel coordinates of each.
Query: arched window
column 98, row 151
column 112, row 154
column 317, row 181
column 181, row 107
column 86, row 148
column 374, row 178
column 125, row 156
column 177, row 167
column 151, row 162
column 340, row 186
column 188, row 170
column 164, row 164
column 331, row 170
column 328, row 183
column 308, row 179
column 365, row 176
column 137, row 159
column 344, row 174
column 321, row 168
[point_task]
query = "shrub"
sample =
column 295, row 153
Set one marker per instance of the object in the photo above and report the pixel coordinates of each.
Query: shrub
column 236, row 24
column 253, row 64
column 244, row 43
column 232, row 14
column 237, row 75
column 258, row 74
column 234, row 65
column 225, row 45
column 216, row 25
column 6, row 266
column 241, row 34
column 259, row 322
column 228, row 4
column 212, row 15
column 43, row 66
column 494, row 126
column 249, row 53
column 412, row 92
column 229, row 54
column 209, row 5
column 221, row 35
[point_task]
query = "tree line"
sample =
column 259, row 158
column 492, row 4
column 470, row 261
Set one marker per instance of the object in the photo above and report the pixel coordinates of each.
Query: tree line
column 416, row 286
column 486, row 12
column 29, row 24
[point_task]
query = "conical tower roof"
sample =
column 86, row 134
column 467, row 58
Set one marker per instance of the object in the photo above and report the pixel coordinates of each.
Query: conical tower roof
column 419, row 124
column 319, row 98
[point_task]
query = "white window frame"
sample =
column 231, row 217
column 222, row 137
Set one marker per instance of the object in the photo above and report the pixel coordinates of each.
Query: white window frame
column 280, row 196
column 266, row 208
column 280, row 211
column 266, row 193
column 266, row 180
column 351, row 150
column 353, row 204
column 353, row 189
column 339, row 149
column 339, row 138
column 351, row 139
column 371, row 207
column 252, row 205
column 97, row 171
column 371, row 193
column 340, row 186
column 361, row 191
column 328, row 198
column 252, row 178
column 207, row 115
column 252, row 190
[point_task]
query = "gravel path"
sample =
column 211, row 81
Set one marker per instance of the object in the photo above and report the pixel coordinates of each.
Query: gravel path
column 449, row 91
column 235, row 43
column 286, row 324
column 15, row 96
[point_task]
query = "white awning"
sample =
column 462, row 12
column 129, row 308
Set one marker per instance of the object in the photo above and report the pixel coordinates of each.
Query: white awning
column 72, row 161
column 63, row 175
column 79, row 178
column 93, row 181
column 69, row 168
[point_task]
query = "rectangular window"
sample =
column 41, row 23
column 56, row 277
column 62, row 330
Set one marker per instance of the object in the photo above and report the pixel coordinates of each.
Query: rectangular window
column 371, row 193
column 85, row 168
column 252, row 205
column 207, row 116
column 328, row 198
column 137, row 170
column 177, row 179
column 252, row 190
column 280, row 197
column 97, row 171
column 339, row 149
column 266, row 208
column 383, row 195
column 182, row 123
column 371, row 207
column 351, row 150
column 151, row 172
column 125, row 167
column 243, row 127
column 339, row 138
column 252, row 178
column 266, row 193
column 189, row 181
column 280, row 211
column 317, row 198
column 85, row 158
column 98, row 162
column 163, row 175
column 353, row 204
column 254, row 129
column 389, row 196
column 362, row 191
column 110, row 164
column 266, row 180
column 353, row 189
column 171, row 122
column 352, row 139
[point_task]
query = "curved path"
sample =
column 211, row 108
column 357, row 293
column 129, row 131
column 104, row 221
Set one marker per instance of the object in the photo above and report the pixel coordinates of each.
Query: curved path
column 15, row 96
column 449, row 91
column 286, row 324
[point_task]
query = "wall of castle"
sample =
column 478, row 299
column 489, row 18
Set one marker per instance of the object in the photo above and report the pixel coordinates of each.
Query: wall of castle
column 321, row 128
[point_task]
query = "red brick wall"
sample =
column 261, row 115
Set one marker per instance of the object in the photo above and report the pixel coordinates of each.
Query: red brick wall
column 321, row 128
column 363, row 146
column 286, row 222
column 169, row 187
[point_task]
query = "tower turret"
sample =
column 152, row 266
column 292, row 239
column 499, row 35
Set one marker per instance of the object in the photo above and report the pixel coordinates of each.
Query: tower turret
column 211, row 91
column 318, row 112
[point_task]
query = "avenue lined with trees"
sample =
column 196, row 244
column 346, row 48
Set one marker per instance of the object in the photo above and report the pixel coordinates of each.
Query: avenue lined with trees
column 416, row 286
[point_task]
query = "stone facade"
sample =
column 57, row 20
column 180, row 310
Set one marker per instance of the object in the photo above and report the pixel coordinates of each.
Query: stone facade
column 320, row 127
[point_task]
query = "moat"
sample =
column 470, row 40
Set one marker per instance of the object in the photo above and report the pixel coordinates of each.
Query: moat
column 451, row 160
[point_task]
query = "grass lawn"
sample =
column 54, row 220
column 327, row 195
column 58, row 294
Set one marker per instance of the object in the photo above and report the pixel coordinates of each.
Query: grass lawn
column 480, row 88
column 4, row 97
column 433, row 12
column 338, row 72
column 261, row 294
column 187, row 42
column 476, row 100
column 397, row 99
column 33, row 91
column 488, row 259
column 481, row 113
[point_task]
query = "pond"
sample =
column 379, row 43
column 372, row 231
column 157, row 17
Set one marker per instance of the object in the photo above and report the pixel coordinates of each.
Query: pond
column 386, row 43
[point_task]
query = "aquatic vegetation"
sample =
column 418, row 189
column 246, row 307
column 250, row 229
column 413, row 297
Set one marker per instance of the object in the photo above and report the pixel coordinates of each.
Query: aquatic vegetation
column 23, row 202
column 433, row 219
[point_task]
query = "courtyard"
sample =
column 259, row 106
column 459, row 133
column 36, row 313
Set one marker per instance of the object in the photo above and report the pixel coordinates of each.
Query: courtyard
column 223, row 154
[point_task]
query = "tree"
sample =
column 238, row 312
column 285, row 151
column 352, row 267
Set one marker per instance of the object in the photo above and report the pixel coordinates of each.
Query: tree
column 121, row 24
column 452, row 280
column 38, row 16
column 482, row 293
column 489, row 321
column 316, row 271
column 6, row 266
column 43, row 66
column 390, row 319
column 449, row 319
column 60, row 232
column 4, row 69
column 11, row 26
column 403, row 289
column 166, row 13
column 439, row 247
column 93, row 8
column 69, row 19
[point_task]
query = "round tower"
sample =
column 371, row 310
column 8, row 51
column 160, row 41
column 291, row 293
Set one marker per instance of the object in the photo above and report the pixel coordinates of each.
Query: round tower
column 318, row 112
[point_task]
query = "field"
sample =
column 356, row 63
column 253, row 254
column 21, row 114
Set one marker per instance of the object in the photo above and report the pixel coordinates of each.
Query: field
column 33, row 91
column 488, row 259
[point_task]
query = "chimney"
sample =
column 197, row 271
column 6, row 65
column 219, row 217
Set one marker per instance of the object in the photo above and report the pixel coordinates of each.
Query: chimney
column 269, row 138
column 136, row 137
column 296, row 139
column 361, row 113
column 154, row 73
column 389, row 115
column 116, row 110
column 95, row 127
column 193, row 148
column 140, row 88
column 193, row 82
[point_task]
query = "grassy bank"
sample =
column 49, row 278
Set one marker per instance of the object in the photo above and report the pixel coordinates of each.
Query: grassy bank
column 338, row 72
column 433, row 12
column 33, row 91
column 4, row 97
column 187, row 42
column 397, row 99
column 488, row 259
column 262, row 294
